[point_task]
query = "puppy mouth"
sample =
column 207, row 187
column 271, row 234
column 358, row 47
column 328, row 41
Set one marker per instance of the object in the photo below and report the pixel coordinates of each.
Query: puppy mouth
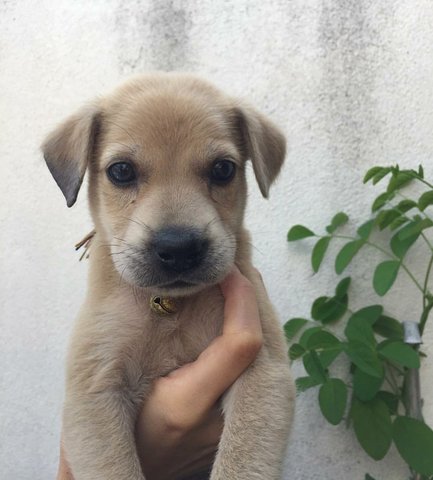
column 179, row 288
column 181, row 263
column 178, row 284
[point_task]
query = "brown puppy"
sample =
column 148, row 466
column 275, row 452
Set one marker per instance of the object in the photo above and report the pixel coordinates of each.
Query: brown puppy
column 166, row 159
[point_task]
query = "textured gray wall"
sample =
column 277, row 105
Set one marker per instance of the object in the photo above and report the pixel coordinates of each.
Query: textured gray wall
column 350, row 81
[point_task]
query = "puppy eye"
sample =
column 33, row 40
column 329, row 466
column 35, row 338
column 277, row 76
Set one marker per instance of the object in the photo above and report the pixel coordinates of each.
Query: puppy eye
column 223, row 171
column 121, row 173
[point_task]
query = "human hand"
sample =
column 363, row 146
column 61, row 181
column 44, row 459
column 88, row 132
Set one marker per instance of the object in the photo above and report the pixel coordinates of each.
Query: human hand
column 180, row 423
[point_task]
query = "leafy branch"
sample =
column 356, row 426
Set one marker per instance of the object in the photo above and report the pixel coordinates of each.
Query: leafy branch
column 382, row 361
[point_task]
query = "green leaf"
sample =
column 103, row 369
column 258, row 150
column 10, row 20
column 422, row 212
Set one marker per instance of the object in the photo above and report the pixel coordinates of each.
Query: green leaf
column 317, row 306
column 391, row 401
column 379, row 175
column 364, row 357
column 339, row 219
column 304, row 383
column 398, row 222
column 400, row 242
column 420, row 171
column 333, row 399
column 303, row 341
column 381, row 200
column 385, row 275
column 359, row 330
column 425, row 200
column 372, row 425
column 329, row 309
column 399, row 180
column 293, row 326
column 359, row 324
column 368, row 477
column 339, row 307
column 329, row 355
column 418, row 227
column 406, row 205
column 371, row 173
column 298, row 232
column 296, row 351
column 414, row 441
column 346, row 254
column 319, row 251
column 365, row 386
column 365, row 229
column 386, row 217
column 401, row 353
column 313, row 366
column 426, row 223
column 322, row 340
column 369, row 314
column 388, row 327
column 342, row 287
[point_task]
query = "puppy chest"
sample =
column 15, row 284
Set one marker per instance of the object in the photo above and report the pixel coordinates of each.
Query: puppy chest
column 179, row 338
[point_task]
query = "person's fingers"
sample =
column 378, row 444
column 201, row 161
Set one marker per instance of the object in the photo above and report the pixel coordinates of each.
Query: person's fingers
column 241, row 314
column 64, row 472
column 201, row 383
column 258, row 281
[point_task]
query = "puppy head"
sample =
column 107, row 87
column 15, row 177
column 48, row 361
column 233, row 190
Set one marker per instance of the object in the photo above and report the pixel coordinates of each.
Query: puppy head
column 166, row 159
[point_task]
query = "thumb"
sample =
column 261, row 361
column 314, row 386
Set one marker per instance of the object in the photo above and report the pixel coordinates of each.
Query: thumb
column 205, row 380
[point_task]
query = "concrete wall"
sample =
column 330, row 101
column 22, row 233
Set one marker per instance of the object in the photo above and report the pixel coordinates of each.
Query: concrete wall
column 348, row 80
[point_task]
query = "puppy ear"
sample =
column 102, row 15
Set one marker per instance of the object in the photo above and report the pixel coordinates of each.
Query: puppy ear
column 68, row 148
column 265, row 145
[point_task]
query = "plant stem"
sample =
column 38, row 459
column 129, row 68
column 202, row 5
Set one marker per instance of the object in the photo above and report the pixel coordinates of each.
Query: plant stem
column 377, row 247
column 420, row 179
column 411, row 388
column 427, row 241
column 411, row 276
column 427, row 275
column 391, row 373
column 409, row 219
column 392, row 384
column 413, row 403
column 345, row 237
column 403, row 266
column 425, row 314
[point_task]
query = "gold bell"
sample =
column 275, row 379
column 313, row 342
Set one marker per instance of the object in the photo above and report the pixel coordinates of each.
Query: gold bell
column 162, row 305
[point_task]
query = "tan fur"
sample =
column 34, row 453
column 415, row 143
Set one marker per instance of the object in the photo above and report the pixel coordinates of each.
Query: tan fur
column 171, row 127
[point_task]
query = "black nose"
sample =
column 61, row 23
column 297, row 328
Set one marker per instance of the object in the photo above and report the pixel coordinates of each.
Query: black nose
column 179, row 248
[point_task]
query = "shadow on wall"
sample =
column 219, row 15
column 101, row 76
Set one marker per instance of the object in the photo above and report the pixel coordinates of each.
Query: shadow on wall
column 154, row 37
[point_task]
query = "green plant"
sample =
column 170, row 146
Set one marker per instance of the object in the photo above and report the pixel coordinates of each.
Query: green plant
column 379, row 396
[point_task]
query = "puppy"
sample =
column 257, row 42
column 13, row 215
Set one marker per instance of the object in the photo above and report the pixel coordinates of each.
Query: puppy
column 165, row 156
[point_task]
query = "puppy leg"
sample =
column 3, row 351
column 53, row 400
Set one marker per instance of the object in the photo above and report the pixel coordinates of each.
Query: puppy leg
column 258, row 411
column 99, row 437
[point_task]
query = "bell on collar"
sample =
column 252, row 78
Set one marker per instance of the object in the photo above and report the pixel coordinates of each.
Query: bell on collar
column 162, row 305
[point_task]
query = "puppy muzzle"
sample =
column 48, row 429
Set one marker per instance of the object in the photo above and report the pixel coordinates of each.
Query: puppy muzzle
column 178, row 249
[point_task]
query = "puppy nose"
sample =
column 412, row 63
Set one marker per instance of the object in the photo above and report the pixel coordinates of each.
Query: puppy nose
column 179, row 248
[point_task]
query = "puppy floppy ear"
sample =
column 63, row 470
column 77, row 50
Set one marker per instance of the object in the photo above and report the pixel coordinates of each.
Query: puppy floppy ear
column 68, row 148
column 265, row 145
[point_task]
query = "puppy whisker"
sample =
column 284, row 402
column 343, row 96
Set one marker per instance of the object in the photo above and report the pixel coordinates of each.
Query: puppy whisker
column 211, row 222
column 121, row 275
column 124, row 241
column 140, row 223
